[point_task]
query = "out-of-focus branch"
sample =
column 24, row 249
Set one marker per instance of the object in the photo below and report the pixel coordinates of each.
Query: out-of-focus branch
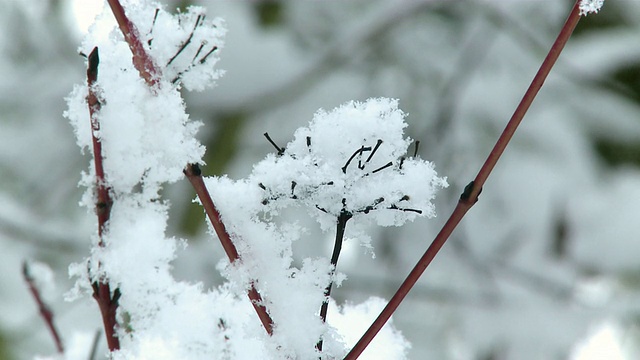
column 101, row 289
column 45, row 312
column 470, row 195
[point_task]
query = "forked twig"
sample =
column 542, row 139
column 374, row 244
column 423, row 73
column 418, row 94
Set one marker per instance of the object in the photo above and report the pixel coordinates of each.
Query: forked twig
column 470, row 195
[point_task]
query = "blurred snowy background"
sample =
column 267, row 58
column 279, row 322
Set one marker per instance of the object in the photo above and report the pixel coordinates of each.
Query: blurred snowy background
column 545, row 266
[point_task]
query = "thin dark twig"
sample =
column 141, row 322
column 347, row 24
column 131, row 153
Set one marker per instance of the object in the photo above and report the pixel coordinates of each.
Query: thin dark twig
column 204, row 58
column 337, row 247
column 45, row 311
column 470, row 195
column 375, row 148
column 359, row 151
column 415, row 151
column 187, row 42
column 153, row 23
column 382, row 167
column 197, row 52
column 278, row 148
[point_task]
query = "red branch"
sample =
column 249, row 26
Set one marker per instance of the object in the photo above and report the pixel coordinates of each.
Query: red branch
column 470, row 195
column 101, row 289
column 141, row 59
column 193, row 173
column 45, row 312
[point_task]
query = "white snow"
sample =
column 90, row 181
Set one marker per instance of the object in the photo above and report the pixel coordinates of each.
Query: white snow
column 590, row 6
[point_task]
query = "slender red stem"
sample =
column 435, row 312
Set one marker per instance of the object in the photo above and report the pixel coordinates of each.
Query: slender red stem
column 193, row 173
column 101, row 289
column 470, row 195
column 45, row 312
column 141, row 59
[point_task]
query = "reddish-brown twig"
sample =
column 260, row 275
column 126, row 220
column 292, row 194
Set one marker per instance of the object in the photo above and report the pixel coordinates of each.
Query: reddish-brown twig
column 470, row 196
column 101, row 289
column 193, row 173
column 45, row 312
column 141, row 59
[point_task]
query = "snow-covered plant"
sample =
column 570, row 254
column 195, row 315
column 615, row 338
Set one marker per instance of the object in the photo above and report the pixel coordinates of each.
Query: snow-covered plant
column 349, row 163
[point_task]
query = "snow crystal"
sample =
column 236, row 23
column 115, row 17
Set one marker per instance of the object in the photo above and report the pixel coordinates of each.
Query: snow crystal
column 590, row 6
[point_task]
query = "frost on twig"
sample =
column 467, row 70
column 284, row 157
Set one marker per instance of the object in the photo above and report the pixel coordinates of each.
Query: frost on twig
column 590, row 6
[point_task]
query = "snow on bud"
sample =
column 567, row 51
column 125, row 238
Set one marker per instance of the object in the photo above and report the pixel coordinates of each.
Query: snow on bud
column 590, row 6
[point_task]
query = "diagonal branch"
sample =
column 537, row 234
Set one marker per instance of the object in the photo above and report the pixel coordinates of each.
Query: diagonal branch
column 193, row 173
column 142, row 61
column 470, row 195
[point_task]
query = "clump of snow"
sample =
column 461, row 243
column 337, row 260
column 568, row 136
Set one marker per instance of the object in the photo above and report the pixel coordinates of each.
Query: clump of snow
column 590, row 6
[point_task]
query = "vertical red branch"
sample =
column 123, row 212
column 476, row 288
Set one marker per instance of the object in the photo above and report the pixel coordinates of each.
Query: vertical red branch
column 193, row 173
column 470, row 195
column 45, row 312
column 101, row 289
column 141, row 59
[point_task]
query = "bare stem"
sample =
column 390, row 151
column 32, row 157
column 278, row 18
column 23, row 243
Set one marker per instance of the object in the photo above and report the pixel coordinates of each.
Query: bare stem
column 193, row 173
column 45, row 312
column 101, row 289
column 470, row 196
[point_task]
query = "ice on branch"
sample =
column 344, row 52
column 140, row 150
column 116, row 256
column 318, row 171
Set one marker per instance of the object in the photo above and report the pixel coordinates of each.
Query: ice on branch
column 590, row 6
